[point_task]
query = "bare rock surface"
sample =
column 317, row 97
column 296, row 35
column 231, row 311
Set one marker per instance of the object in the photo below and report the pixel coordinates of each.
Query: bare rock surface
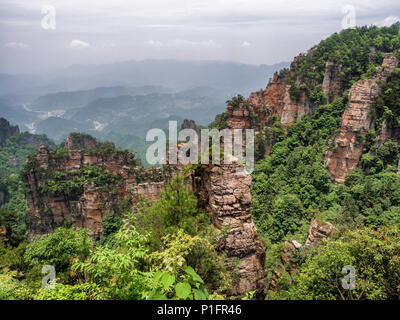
column 87, row 210
column 356, row 122
column 225, row 193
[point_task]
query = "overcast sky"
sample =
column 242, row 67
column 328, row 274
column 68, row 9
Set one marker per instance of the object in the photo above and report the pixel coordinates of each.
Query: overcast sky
column 105, row 31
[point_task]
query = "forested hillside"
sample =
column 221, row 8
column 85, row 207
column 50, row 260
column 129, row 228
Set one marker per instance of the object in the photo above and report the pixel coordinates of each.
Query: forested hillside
column 292, row 186
column 14, row 149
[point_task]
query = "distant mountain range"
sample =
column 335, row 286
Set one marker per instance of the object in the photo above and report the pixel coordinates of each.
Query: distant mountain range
column 72, row 99
column 122, row 101
column 174, row 74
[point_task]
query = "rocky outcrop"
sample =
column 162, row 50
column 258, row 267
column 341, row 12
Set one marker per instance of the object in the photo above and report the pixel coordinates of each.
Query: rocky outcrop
column 86, row 209
column 148, row 191
column 7, row 130
column 318, row 232
column 224, row 191
column 276, row 100
column 239, row 117
column 345, row 149
column 294, row 110
column 289, row 261
column 272, row 97
column 80, row 141
column 332, row 86
column 190, row 124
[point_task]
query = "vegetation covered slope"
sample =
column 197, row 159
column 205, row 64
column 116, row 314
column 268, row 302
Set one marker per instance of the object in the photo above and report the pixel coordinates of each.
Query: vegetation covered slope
column 13, row 153
column 291, row 186
column 166, row 251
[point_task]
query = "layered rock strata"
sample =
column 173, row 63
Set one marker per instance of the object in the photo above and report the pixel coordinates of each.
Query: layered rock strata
column 45, row 211
column 318, row 231
column 346, row 148
column 224, row 191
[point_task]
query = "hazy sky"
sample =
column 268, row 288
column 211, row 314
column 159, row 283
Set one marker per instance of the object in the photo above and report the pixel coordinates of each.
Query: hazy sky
column 104, row 31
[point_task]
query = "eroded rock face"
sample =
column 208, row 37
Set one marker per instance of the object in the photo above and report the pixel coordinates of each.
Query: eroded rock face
column 318, row 231
column 294, row 110
column 7, row 130
column 276, row 100
column 149, row 190
column 238, row 118
column 190, row 124
column 345, row 149
column 256, row 112
column 331, row 85
column 80, row 141
column 225, row 194
column 45, row 211
column 272, row 98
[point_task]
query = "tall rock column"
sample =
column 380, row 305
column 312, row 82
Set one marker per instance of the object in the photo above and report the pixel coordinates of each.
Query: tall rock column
column 225, row 193
column 356, row 122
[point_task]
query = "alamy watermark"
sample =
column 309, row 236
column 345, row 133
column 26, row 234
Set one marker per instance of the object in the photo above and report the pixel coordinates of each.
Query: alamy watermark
column 193, row 150
column 349, row 281
column 49, row 20
column 49, row 280
column 349, row 16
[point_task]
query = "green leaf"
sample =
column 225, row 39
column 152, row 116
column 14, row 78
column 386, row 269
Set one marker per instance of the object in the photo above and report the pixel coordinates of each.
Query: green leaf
column 199, row 295
column 204, row 290
column 159, row 297
column 167, row 280
column 190, row 271
column 157, row 277
column 182, row 290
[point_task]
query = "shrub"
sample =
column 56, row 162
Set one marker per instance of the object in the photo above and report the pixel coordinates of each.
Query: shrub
column 62, row 292
column 57, row 249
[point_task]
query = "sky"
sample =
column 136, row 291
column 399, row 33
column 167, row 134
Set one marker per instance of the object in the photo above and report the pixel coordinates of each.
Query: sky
column 41, row 36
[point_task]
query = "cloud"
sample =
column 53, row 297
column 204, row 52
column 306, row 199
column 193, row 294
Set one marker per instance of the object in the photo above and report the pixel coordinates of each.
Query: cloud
column 388, row 21
column 16, row 45
column 156, row 44
column 79, row 44
column 179, row 29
